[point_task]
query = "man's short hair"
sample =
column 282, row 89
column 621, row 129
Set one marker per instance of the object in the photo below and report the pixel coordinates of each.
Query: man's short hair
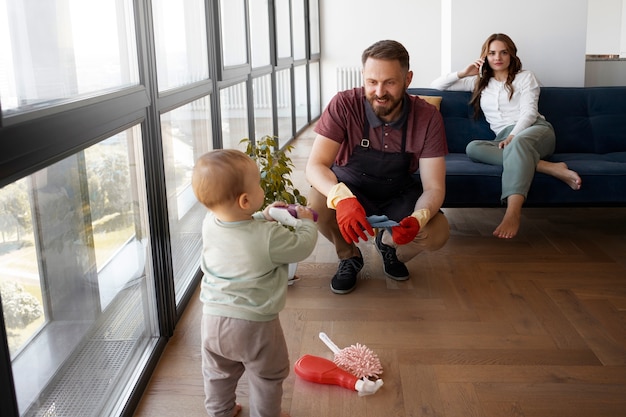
column 388, row 50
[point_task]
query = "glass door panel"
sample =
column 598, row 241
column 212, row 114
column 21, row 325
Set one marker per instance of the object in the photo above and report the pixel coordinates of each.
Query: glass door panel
column 283, row 105
column 181, row 46
column 186, row 133
column 263, row 108
column 56, row 50
column 301, row 96
column 234, row 112
column 77, row 288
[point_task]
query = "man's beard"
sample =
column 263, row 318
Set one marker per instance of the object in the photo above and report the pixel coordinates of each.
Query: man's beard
column 383, row 111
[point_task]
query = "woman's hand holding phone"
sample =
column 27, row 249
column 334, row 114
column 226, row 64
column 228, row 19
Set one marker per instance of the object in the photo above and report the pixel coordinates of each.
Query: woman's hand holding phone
column 471, row 69
column 482, row 67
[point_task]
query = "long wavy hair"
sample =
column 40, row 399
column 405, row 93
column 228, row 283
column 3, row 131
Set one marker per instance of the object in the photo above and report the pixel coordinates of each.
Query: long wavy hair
column 514, row 67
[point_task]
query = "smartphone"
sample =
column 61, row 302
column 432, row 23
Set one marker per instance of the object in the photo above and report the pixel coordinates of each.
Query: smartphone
column 483, row 68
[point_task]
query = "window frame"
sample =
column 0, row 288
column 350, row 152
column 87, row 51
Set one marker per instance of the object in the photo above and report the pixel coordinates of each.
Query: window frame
column 35, row 139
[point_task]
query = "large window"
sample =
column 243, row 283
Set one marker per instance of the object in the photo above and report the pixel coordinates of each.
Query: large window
column 106, row 106
column 315, row 100
column 63, row 49
column 186, row 135
column 314, row 27
column 233, row 18
column 259, row 33
column 283, row 103
column 77, row 286
column 301, row 96
column 283, row 31
column 299, row 29
column 181, row 47
column 234, row 109
column 263, row 110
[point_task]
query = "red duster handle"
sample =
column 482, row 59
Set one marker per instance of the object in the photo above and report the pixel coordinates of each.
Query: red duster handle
column 322, row 371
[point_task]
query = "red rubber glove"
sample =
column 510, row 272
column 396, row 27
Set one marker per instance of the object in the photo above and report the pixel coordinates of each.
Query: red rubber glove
column 406, row 231
column 352, row 220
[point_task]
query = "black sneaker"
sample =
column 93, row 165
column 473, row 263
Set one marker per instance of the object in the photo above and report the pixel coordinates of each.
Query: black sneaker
column 393, row 268
column 344, row 281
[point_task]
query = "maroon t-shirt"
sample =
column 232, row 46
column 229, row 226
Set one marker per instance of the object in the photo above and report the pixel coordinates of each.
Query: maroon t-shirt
column 342, row 121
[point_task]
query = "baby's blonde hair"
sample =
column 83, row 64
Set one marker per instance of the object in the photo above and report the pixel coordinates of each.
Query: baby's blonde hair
column 218, row 176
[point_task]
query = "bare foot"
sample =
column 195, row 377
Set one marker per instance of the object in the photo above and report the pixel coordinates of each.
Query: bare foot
column 561, row 171
column 237, row 409
column 509, row 226
column 284, row 414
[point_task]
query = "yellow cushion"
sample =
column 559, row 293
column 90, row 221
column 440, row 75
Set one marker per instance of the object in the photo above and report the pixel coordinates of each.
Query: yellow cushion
column 434, row 100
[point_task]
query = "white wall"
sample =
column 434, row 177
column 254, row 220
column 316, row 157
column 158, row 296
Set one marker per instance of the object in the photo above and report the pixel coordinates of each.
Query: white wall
column 605, row 35
column 348, row 27
column 550, row 35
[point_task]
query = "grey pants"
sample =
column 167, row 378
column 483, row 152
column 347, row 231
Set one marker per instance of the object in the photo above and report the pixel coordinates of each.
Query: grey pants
column 232, row 346
column 519, row 158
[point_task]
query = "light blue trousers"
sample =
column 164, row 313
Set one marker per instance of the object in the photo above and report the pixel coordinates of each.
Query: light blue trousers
column 519, row 158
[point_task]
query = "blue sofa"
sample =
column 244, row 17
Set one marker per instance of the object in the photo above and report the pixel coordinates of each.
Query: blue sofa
column 590, row 126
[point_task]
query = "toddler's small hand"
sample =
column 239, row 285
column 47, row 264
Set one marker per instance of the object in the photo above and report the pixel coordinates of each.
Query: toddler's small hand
column 304, row 212
column 266, row 210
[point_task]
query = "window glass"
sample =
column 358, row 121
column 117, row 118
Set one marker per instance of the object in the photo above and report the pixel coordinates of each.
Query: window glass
column 234, row 112
column 77, row 287
column 259, row 33
column 180, row 38
column 314, row 24
column 263, row 109
column 314, row 84
column 298, row 20
column 186, row 135
column 283, row 28
column 20, row 284
column 61, row 49
column 233, row 29
column 301, row 96
column 283, row 104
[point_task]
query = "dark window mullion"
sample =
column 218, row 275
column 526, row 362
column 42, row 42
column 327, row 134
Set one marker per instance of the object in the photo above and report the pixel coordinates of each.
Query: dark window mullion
column 33, row 145
column 8, row 397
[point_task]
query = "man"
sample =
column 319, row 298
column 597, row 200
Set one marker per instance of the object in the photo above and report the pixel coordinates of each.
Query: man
column 370, row 140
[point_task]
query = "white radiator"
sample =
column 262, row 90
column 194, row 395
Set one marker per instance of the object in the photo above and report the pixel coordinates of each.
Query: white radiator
column 348, row 77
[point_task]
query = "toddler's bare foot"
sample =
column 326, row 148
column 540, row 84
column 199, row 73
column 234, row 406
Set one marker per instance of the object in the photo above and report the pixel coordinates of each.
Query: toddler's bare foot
column 561, row 171
column 237, row 409
column 284, row 414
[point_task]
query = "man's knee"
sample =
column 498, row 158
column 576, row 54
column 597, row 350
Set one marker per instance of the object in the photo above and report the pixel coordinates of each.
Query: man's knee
column 432, row 237
column 440, row 232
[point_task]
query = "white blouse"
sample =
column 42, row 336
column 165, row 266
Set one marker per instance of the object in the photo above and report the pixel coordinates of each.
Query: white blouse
column 500, row 112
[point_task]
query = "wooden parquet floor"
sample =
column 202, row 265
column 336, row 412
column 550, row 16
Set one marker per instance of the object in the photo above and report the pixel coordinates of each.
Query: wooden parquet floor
column 531, row 327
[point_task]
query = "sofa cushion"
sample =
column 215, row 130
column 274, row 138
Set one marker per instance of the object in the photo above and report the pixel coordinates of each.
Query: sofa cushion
column 590, row 126
column 589, row 120
column 461, row 128
column 460, row 164
column 594, row 164
column 434, row 100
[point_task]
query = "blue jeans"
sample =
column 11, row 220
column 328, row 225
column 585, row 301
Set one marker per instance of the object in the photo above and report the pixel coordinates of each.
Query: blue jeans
column 519, row 158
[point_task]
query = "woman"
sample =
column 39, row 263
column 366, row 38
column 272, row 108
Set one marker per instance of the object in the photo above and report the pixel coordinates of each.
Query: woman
column 508, row 97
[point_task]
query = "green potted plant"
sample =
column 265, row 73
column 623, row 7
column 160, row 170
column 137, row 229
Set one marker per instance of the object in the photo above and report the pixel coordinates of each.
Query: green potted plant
column 276, row 167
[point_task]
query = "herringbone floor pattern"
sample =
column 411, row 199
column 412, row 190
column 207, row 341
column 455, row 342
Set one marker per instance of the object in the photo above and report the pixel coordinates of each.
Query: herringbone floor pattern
column 531, row 327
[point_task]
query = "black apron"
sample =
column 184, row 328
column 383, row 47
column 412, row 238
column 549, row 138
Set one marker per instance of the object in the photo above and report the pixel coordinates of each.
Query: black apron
column 381, row 181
